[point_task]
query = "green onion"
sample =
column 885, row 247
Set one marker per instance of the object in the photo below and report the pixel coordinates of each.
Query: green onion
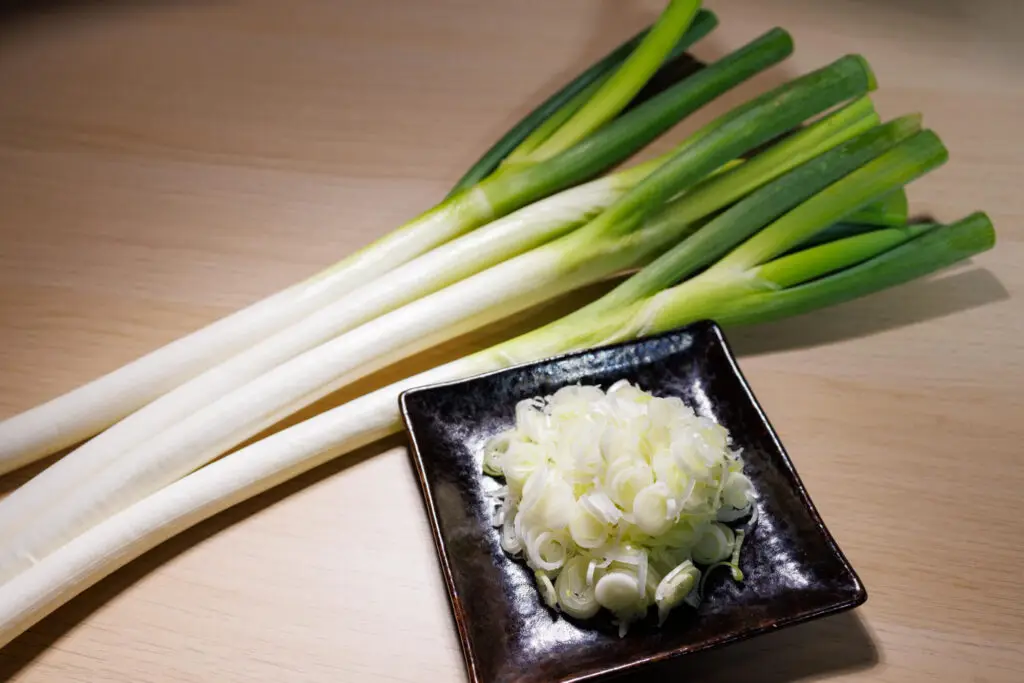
column 750, row 214
column 779, row 233
column 804, row 266
column 109, row 545
column 505, row 238
column 908, row 160
column 735, row 275
column 464, row 257
column 838, row 231
column 738, row 132
column 616, row 239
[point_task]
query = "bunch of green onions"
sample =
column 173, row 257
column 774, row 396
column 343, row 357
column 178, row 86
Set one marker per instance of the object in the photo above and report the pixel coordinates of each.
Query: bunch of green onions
column 709, row 230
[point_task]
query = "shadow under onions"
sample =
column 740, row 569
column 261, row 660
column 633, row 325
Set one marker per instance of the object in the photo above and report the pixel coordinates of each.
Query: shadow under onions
column 15, row 478
column 909, row 304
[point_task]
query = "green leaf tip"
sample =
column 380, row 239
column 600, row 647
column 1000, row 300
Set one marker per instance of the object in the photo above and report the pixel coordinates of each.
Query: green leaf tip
column 615, row 93
column 935, row 249
column 911, row 123
column 783, row 38
column 857, row 67
column 976, row 232
column 930, row 146
column 899, row 205
column 916, row 119
column 706, row 20
column 869, row 73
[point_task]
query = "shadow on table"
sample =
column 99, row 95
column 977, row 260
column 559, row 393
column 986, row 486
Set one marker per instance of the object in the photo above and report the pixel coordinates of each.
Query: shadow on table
column 836, row 645
column 909, row 304
column 12, row 480
column 15, row 12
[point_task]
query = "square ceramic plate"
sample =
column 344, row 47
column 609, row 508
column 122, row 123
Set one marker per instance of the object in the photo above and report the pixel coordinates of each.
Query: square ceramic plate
column 794, row 570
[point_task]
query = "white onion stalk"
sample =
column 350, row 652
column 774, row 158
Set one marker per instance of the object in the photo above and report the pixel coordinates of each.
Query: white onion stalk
column 83, row 412
column 511, row 286
column 585, row 256
column 111, row 544
column 104, row 548
column 504, row 238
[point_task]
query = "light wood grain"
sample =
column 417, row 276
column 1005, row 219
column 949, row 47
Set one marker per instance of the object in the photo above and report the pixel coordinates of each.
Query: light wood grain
column 162, row 164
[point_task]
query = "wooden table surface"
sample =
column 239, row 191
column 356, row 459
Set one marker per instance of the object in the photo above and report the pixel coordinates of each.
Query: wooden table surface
column 162, row 164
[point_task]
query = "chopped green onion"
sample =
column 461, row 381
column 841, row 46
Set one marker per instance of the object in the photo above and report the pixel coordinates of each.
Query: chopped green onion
column 630, row 475
column 674, row 588
column 574, row 591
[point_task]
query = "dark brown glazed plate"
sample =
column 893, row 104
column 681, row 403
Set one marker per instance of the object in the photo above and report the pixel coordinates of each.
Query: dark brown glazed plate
column 794, row 570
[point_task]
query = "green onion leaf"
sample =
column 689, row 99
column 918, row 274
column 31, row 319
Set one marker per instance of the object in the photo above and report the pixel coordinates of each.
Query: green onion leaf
column 736, row 133
column 908, row 160
column 569, row 99
column 630, row 132
column 933, row 250
column 889, row 211
column 759, row 208
column 810, row 264
column 616, row 92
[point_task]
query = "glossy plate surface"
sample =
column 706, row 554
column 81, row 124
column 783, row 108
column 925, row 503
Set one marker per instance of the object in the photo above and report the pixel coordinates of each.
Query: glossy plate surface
column 794, row 569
